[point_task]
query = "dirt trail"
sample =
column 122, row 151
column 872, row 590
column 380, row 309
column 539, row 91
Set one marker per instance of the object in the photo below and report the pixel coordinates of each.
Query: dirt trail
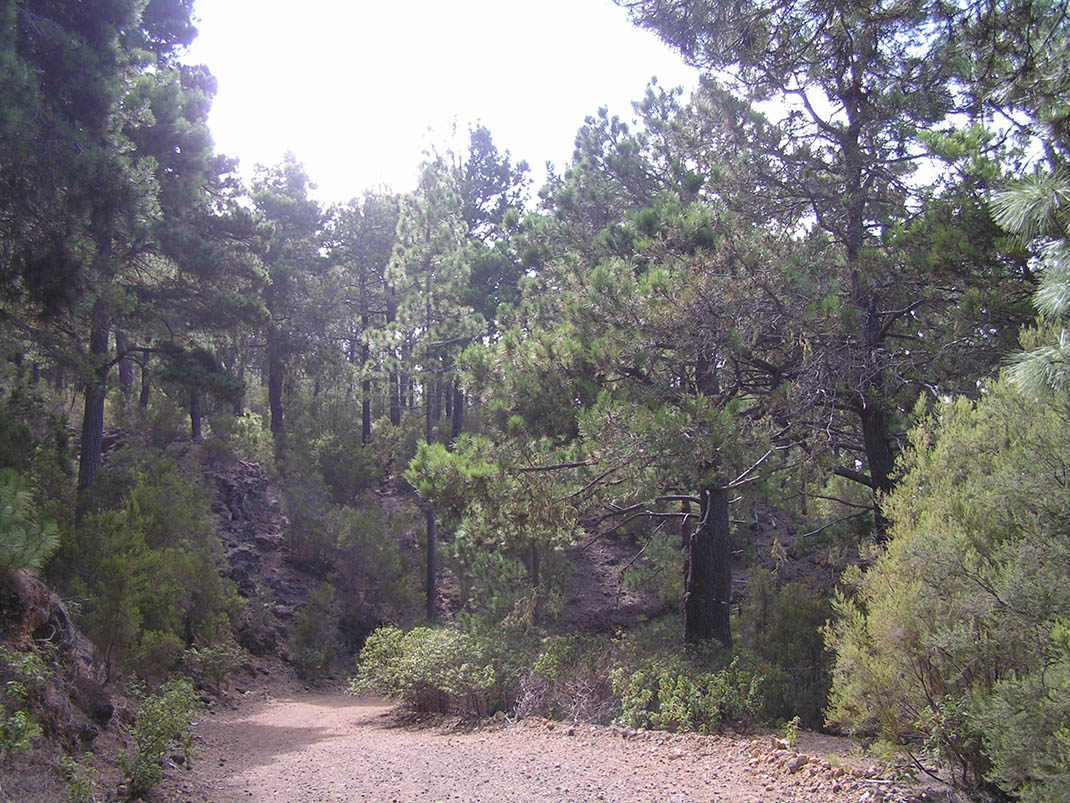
column 319, row 747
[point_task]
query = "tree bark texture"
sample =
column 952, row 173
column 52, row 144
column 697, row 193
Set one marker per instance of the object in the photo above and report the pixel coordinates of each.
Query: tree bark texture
column 275, row 382
column 880, row 458
column 126, row 365
column 457, row 420
column 429, row 514
column 709, row 579
column 195, row 415
column 90, row 455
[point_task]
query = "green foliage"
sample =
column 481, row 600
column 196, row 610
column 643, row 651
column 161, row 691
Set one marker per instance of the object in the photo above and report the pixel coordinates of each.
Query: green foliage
column 244, row 436
column 314, row 640
column 429, row 669
column 163, row 722
column 17, row 733
column 27, row 540
column 781, row 627
column 954, row 636
column 375, row 581
column 145, row 566
column 79, row 777
column 23, row 672
column 791, row 730
column 209, row 666
column 570, row 679
column 676, row 693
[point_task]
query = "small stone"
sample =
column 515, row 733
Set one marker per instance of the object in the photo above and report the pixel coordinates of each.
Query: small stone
column 797, row 763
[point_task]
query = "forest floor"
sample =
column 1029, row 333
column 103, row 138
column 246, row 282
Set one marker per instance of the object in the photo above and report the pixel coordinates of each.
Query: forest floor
column 314, row 746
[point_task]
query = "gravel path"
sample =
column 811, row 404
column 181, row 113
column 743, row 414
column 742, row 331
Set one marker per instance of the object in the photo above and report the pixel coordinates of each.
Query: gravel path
column 320, row 747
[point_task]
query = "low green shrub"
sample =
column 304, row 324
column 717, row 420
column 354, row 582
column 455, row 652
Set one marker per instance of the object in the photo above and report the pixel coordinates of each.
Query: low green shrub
column 22, row 672
column 781, row 626
column 209, row 666
column 79, row 777
column 162, row 724
column 315, row 634
column 672, row 693
column 428, row 669
column 570, row 679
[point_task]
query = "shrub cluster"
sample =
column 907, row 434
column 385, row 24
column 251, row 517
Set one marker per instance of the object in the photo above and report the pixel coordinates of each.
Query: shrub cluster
column 163, row 722
column 956, row 637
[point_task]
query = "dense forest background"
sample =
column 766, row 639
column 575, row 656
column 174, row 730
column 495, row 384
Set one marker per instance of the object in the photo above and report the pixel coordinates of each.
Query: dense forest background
column 832, row 284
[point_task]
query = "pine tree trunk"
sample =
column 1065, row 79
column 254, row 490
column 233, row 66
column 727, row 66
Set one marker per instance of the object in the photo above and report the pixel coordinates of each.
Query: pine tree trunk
column 239, row 400
column 457, row 419
column 429, row 513
column 195, row 415
column 90, row 455
column 395, row 399
column 146, row 386
column 275, row 383
column 880, row 459
column 709, row 579
column 126, row 365
column 365, row 397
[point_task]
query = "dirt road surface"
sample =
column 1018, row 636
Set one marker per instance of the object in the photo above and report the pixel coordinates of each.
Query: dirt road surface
column 323, row 747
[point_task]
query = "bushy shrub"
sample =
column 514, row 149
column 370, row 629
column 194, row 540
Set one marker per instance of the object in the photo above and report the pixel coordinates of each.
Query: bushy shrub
column 953, row 637
column 144, row 566
column 570, row 679
column 348, row 466
column 209, row 666
column 673, row 693
column 163, row 722
column 429, row 669
column 22, row 672
column 314, row 641
column 244, row 436
column 374, row 580
column 781, row 627
column 79, row 777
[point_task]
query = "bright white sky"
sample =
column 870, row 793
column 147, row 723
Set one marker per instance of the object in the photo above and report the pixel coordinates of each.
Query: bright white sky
column 358, row 90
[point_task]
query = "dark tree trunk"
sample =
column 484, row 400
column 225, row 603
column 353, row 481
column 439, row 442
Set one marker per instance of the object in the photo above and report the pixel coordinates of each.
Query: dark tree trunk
column 535, row 582
column 195, row 415
column 395, row 399
column 126, row 365
column 146, row 385
column 90, row 456
column 457, row 420
column 35, row 372
column 429, row 513
column 275, row 382
column 239, row 400
column 365, row 398
column 709, row 578
column 880, row 458
column 57, row 377
column 366, row 412
column 438, row 400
